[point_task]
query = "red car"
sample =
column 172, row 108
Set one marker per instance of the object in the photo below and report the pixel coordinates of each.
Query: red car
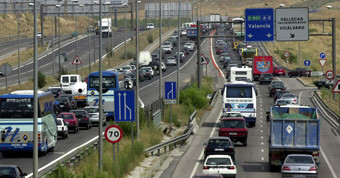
column 71, row 121
column 278, row 70
column 234, row 128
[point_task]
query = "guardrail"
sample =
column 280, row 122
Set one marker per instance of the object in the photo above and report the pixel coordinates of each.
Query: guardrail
column 326, row 111
column 173, row 142
column 11, row 37
column 62, row 38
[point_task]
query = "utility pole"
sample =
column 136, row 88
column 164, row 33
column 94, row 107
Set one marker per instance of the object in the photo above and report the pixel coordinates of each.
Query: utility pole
column 100, row 130
column 125, row 47
column 160, row 50
column 35, row 95
column 18, row 24
column 89, row 41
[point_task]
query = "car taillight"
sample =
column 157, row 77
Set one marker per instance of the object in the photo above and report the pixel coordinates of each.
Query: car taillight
column 315, row 155
column 230, row 149
column 62, row 129
column 286, row 168
column 294, row 100
column 312, row 168
column 245, row 133
column 231, row 167
column 86, row 119
column 205, row 167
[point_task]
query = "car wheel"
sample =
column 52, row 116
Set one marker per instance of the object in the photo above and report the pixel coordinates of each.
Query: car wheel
column 75, row 130
column 245, row 143
column 78, row 128
column 66, row 135
column 87, row 126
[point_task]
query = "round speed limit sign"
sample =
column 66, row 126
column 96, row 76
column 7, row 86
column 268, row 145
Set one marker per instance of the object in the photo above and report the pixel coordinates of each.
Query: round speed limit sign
column 113, row 134
column 330, row 75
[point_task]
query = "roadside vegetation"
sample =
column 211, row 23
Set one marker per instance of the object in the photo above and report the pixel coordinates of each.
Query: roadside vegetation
column 130, row 155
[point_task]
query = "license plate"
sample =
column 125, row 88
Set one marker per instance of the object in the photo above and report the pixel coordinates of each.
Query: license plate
column 278, row 89
column 219, row 149
column 266, row 78
column 232, row 133
column 61, row 105
column 280, row 72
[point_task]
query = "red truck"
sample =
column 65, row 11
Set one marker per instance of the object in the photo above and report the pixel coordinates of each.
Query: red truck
column 262, row 64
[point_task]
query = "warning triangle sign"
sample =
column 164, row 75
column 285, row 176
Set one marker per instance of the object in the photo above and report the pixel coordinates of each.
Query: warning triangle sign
column 322, row 62
column 336, row 89
column 204, row 60
column 76, row 61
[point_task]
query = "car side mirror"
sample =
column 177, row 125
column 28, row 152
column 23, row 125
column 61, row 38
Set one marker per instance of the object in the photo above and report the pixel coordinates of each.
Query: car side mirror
column 318, row 163
column 236, row 162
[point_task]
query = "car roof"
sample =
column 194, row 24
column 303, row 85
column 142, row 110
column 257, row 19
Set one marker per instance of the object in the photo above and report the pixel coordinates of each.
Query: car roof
column 219, row 138
column 91, row 107
column 299, row 155
column 12, row 166
column 67, row 113
column 219, row 156
column 232, row 118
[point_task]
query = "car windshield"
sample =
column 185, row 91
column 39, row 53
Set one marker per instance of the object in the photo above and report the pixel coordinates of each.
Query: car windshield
column 61, row 100
column 92, row 110
column 7, row 171
column 59, row 122
column 278, row 86
column 279, row 68
column 289, row 95
column 79, row 113
column 54, row 90
column 232, row 124
column 276, row 82
column 218, row 161
column 300, row 159
column 282, row 102
column 266, row 75
column 218, row 142
column 66, row 116
column 232, row 115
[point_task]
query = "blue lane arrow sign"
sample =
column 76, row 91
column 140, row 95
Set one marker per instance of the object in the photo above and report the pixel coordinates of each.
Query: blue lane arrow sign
column 124, row 106
column 170, row 90
column 322, row 55
column 259, row 24
column 307, row 62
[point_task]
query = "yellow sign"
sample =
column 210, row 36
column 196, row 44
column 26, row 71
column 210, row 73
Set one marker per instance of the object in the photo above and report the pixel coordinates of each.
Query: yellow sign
column 25, row 137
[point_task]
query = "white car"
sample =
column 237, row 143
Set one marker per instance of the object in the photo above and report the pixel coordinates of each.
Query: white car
column 127, row 69
column 249, row 62
column 220, row 164
column 93, row 112
column 167, row 49
column 150, row 68
column 189, row 46
column 113, row 70
column 183, row 32
column 150, row 26
column 163, row 67
column 62, row 128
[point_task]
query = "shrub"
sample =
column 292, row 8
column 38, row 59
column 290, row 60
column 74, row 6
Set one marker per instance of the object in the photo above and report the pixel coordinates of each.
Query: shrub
column 62, row 71
column 129, row 54
column 41, row 80
column 109, row 52
column 150, row 38
column 193, row 96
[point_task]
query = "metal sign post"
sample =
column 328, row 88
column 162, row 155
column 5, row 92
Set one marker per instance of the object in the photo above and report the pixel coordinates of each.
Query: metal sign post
column 170, row 96
column 113, row 134
column 6, row 69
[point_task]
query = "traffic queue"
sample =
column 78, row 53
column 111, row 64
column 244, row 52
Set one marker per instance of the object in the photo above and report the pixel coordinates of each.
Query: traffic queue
column 294, row 141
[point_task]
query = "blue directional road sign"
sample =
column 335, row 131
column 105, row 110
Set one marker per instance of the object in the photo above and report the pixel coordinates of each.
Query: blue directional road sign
column 307, row 62
column 170, row 92
column 259, row 24
column 124, row 106
column 322, row 55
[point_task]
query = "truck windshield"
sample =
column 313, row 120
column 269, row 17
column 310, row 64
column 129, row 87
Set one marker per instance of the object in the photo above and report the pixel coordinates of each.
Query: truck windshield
column 108, row 82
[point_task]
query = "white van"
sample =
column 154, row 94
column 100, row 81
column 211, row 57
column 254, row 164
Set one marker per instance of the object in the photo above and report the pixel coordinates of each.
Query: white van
column 145, row 58
column 241, row 74
column 67, row 81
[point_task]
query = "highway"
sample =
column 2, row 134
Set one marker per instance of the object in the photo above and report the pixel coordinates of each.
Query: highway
column 24, row 160
column 9, row 47
column 253, row 159
column 45, row 61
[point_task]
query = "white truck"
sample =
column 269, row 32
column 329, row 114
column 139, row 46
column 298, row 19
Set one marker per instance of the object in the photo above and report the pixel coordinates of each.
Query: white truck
column 214, row 18
column 106, row 27
column 72, row 84
column 145, row 58
column 150, row 26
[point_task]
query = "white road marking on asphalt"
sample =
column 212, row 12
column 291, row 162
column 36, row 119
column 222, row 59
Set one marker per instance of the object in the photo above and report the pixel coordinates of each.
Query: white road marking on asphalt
column 261, row 125
column 262, row 158
column 262, row 150
column 261, row 137
column 261, row 143
column 261, row 108
column 260, row 120
column 328, row 163
column 300, row 96
column 260, row 101
column 261, row 131
column 201, row 155
column 261, row 113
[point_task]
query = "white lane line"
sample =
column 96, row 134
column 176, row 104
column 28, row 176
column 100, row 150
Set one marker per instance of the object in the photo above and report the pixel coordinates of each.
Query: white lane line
column 300, row 96
column 262, row 150
column 260, row 120
column 262, row 143
column 262, row 158
column 328, row 163
column 261, row 131
column 261, row 137
column 261, row 113
column 261, row 125
column 201, row 155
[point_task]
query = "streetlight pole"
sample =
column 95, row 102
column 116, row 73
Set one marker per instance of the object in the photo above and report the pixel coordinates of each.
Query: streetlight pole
column 160, row 50
column 137, row 71
column 125, row 47
column 53, row 61
column 75, row 2
column 89, row 41
column 179, row 49
column 59, row 42
column 18, row 24
column 100, row 130
column 35, row 94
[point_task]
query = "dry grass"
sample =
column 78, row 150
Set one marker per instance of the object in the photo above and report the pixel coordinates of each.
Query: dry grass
column 310, row 80
column 24, row 55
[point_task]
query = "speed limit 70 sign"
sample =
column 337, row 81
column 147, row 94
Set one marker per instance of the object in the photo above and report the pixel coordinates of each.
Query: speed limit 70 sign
column 330, row 75
column 113, row 134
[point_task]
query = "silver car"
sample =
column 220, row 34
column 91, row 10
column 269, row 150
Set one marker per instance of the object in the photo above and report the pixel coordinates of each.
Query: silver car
column 93, row 112
column 171, row 61
column 296, row 164
column 290, row 96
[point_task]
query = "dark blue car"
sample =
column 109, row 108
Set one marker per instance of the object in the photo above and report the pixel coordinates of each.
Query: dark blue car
column 219, row 146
